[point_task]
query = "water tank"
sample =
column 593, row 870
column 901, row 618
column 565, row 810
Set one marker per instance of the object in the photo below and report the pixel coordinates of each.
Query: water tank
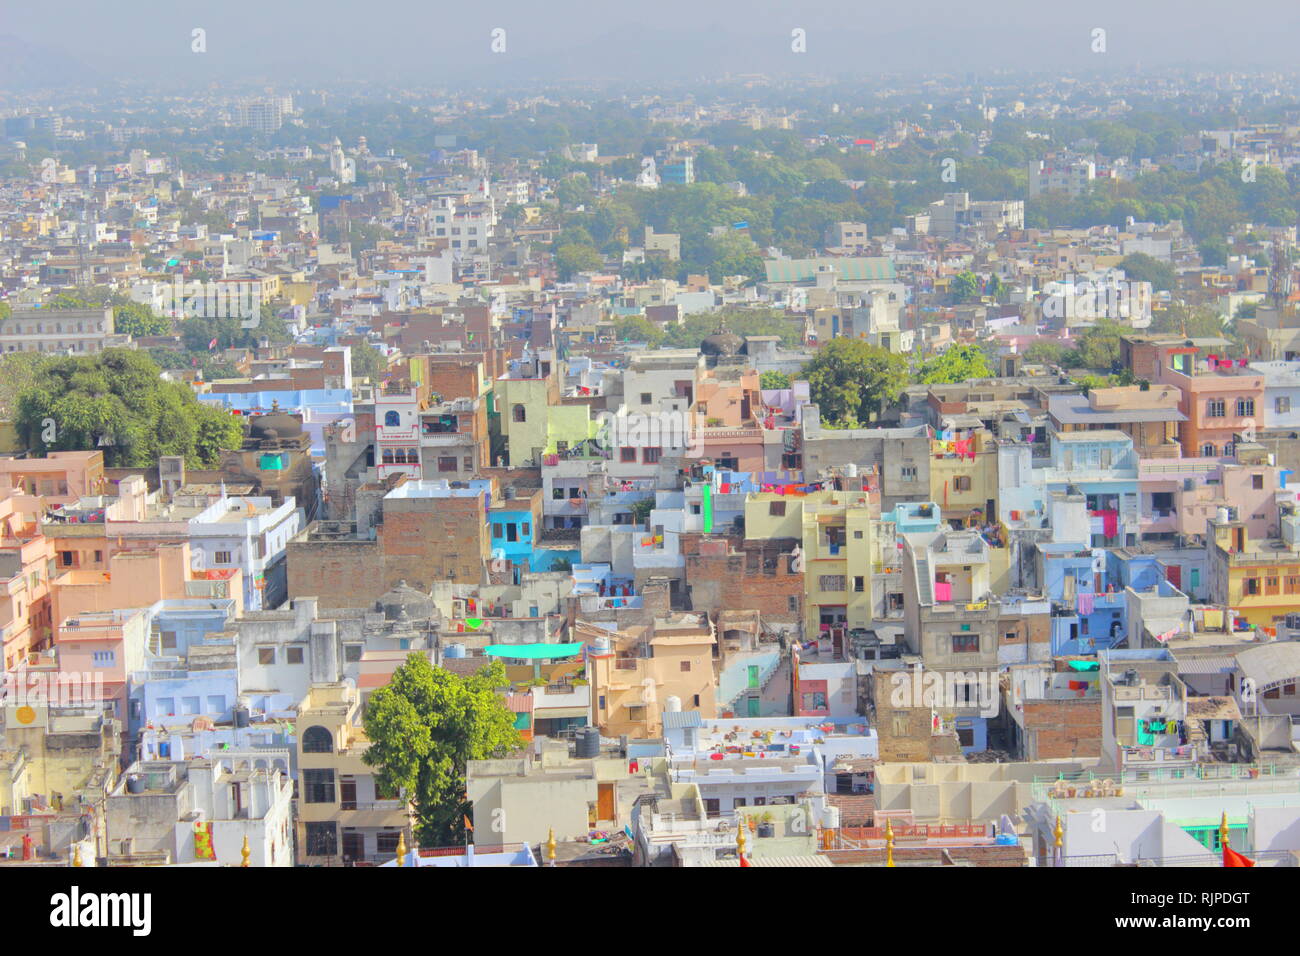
column 135, row 783
column 1221, row 516
column 588, row 742
column 600, row 646
column 851, row 470
column 673, row 705
column 831, row 818
column 242, row 715
column 454, row 651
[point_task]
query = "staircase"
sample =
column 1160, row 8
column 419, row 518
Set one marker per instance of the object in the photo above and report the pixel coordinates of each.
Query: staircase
column 924, row 580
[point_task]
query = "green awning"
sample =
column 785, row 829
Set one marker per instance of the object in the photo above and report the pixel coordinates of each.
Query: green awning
column 533, row 651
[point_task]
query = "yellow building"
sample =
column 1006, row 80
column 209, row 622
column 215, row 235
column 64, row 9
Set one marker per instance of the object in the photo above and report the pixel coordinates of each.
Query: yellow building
column 1260, row 581
column 343, row 816
column 842, row 544
column 635, row 671
column 964, row 478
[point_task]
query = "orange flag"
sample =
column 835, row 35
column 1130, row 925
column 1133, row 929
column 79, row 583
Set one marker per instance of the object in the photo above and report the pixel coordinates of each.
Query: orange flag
column 468, row 826
column 1232, row 858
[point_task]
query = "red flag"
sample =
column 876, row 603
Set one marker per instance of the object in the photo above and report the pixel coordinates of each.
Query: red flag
column 745, row 862
column 1232, row 858
column 212, row 344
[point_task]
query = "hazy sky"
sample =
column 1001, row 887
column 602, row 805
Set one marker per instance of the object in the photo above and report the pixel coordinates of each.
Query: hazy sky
column 433, row 40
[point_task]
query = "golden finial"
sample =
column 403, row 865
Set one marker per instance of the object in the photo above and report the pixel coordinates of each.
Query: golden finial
column 1223, row 829
column 401, row 848
column 245, row 852
column 550, row 846
column 76, row 855
column 1058, row 832
column 889, row 843
column 740, row 836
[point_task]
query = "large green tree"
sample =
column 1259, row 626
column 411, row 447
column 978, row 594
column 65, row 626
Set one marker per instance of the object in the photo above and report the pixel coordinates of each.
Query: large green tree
column 424, row 728
column 957, row 363
column 117, row 402
column 852, row 381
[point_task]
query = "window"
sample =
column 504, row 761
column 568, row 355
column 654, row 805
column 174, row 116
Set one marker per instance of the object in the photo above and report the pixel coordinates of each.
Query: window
column 222, row 557
column 965, row 643
column 1257, row 482
column 1207, row 450
column 650, row 456
column 317, row 740
column 392, row 419
column 859, row 584
column 167, row 706
column 497, row 531
column 645, row 398
column 294, row 655
column 447, row 463
column 557, row 494
column 168, row 641
column 961, row 483
column 831, row 582
column 520, row 414
column 352, row 653
column 627, row 454
column 909, row 472
column 776, row 509
column 1282, row 404
column 1245, row 407
column 318, row 786
column 322, row 839
column 266, row 655
column 792, row 603
column 387, row 841
column 1215, row 408
column 525, row 529
column 1250, row 586
column 686, row 666
column 104, row 658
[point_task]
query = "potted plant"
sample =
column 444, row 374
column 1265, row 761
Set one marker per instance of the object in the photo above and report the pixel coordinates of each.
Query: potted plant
column 766, row 827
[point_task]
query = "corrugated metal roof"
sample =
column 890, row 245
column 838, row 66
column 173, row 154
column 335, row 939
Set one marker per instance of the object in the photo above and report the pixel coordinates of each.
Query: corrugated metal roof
column 857, row 269
column 677, row 720
column 1206, row 664
column 1271, row 663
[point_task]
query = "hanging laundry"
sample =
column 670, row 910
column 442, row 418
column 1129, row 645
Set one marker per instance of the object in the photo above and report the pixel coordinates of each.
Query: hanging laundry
column 1086, row 602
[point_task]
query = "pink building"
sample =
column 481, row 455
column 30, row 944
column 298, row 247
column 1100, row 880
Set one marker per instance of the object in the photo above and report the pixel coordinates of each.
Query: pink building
column 109, row 645
column 26, row 562
column 60, row 478
column 139, row 579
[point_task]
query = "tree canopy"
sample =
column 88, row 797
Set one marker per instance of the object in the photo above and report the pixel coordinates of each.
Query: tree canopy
column 116, row 401
column 851, row 381
column 424, row 727
column 958, row 363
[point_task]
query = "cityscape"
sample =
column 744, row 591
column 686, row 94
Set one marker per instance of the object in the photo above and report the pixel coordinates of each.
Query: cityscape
column 822, row 466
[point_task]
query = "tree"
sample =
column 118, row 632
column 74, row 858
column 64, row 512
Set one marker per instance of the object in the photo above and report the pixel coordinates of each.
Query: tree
column 1145, row 268
column 138, row 320
column 958, row 363
column 368, row 362
column 774, row 379
column 636, row 328
column 965, row 286
column 572, row 258
column 424, row 728
column 851, row 381
column 116, row 402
